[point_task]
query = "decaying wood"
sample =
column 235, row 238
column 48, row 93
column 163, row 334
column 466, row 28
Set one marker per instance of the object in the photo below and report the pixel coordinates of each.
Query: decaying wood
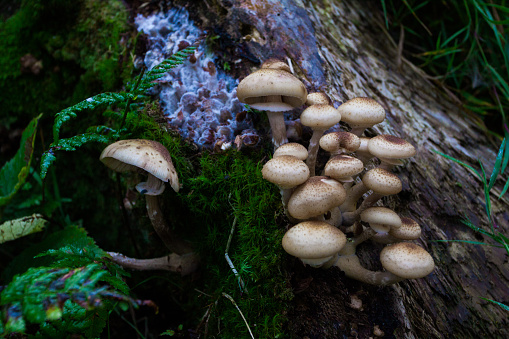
column 342, row 48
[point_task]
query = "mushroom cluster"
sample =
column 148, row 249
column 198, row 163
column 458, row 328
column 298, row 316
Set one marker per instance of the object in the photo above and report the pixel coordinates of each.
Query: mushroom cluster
column 344, row 198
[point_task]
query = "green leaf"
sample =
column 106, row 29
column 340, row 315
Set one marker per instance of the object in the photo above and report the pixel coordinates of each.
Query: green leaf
column 14, row 229
column 39, row 294
column 505, row 307
column 498, row 164
column 69, row 144
column 14, row 173
column 87, row 104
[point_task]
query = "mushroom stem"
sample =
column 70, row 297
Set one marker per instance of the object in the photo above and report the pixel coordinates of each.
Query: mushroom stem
column 183, row 264
column 349, row 263
column 278, row 127
column 352, row 267
column 358, row 130
column 350, row 217
column 286, row 194
column 352, row 196
column 313, row 150
column 172, row 242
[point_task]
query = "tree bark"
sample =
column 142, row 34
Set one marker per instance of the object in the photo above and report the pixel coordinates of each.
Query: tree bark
column 343, row 49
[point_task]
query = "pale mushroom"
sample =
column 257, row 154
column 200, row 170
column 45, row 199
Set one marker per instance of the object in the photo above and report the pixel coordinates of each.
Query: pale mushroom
column 152, row 159
column 292, row 148
column 315, row 243
column 318, row 98
column 315, row 197
column 343, row 167
column 407, row 260
column 390, row 150
column 361, row 113
column 380, row 181
column 274, row 91
column 319, row 118
column 287, row 172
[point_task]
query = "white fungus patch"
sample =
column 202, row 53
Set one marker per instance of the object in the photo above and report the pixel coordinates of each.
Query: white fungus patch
column 197, row 98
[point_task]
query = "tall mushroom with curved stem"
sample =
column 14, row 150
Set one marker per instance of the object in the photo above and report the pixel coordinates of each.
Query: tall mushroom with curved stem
column 319, row 118
column 274, row 91
column 382, row 183
column 152, row 159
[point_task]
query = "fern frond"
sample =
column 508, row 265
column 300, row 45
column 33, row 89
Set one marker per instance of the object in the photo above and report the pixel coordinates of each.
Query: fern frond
column 158, row 71
column 69, row 144
column 39, row 294
column 87, row 104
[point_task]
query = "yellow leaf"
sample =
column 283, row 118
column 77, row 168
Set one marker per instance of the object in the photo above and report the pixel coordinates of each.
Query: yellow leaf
column 17, row 228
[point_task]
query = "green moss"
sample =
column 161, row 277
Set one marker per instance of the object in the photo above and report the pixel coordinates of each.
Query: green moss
column 216, row 188
column 80, row 46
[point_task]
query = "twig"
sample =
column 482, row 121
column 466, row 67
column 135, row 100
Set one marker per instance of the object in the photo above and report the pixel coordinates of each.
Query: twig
column 238, row 309
column 229, row 261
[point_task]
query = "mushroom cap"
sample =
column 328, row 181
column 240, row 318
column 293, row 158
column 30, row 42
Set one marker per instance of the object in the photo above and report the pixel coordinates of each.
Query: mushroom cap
column 381, row 219
column 382, row 181
column 316, row 196
column 362, row 112
column 318, row 98
column 320, row 116
column 409, row 230
column 333, row 142
column 292, row 148
column 407, row 260
column 313, row 240
column 286, row 171
column 139, row 155
column 274, row 63
column 343, row 167
column 386, row 146
column 259, row 88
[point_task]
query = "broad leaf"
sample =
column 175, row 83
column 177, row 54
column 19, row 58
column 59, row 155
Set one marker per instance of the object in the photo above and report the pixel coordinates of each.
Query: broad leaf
column 14, row 229
column 14, row 173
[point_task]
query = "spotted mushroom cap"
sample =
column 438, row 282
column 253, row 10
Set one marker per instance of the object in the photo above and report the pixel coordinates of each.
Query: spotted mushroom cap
column 286, row 171
column 335, row 141
column 381, row 219
column 390, row 147
column 343, row 167
column 407, row 260
column 382, row 181
column 313, row 240
column 316, row 196
column 320, row 116
column 259, row 88
column 318, row 98
column 362, row 112
column 409, row 230
column 274, row 63
column 141, row 155
column 292, row 148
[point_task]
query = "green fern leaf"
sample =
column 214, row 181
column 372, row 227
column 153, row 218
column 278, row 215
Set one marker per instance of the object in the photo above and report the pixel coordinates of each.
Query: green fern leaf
column 69, row 144
column 159, row 70
column 87, row 104
column 39, row 294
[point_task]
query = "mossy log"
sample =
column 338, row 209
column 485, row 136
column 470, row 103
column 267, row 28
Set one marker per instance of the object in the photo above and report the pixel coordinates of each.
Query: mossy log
column 343, row 48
